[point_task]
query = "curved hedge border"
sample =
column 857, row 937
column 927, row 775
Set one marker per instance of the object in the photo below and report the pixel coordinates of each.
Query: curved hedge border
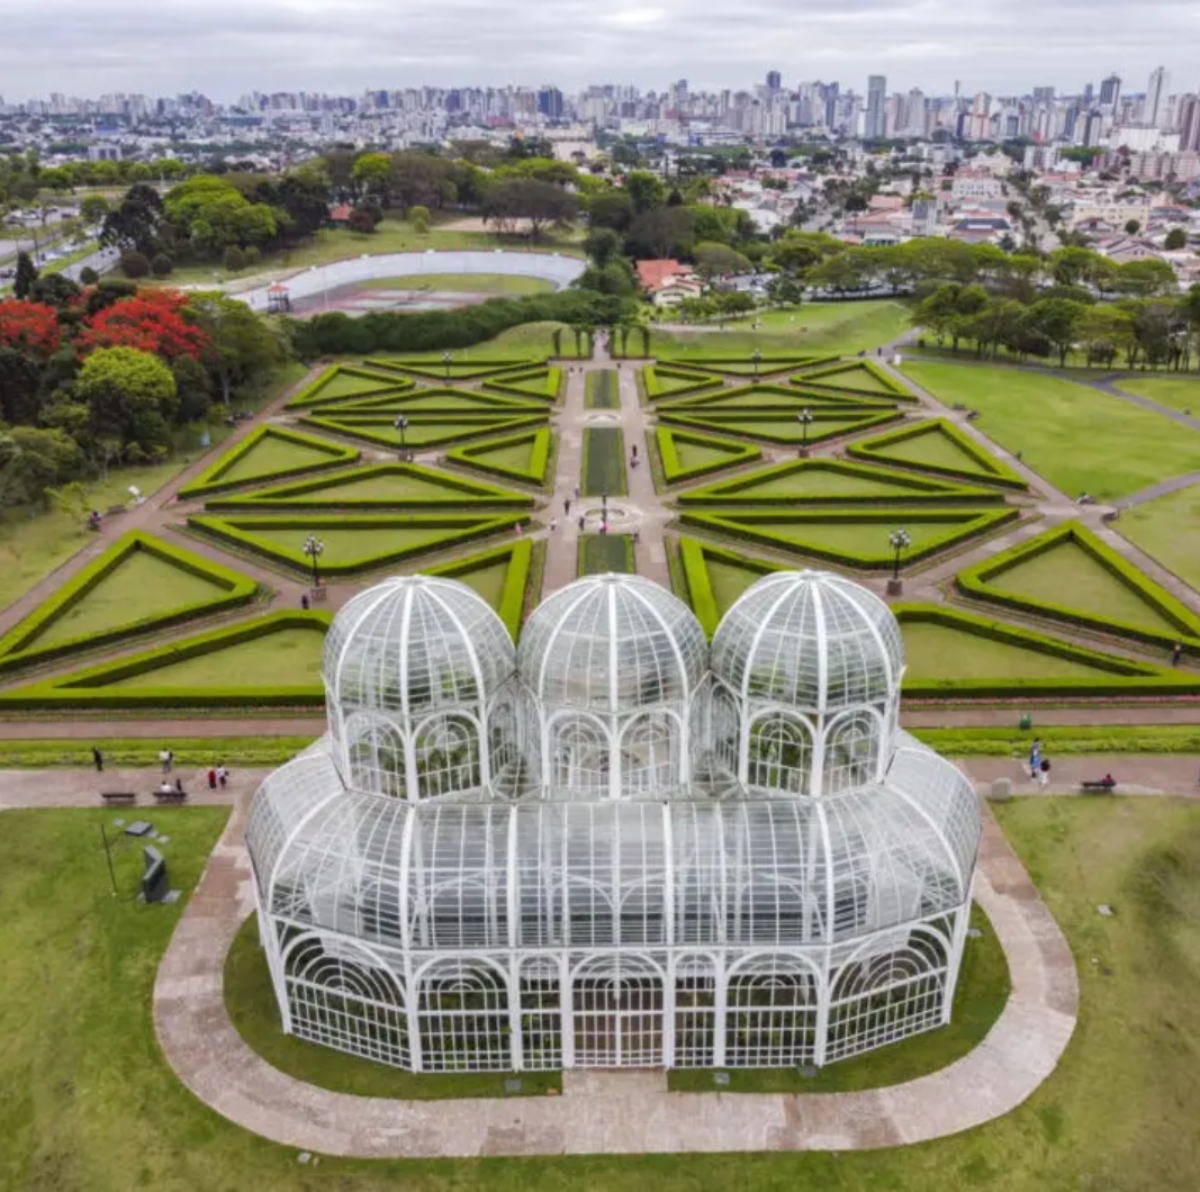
column 209, row 481
column 19, row 648
column 962, row 524
column 864, row 365
column 791, row 401
column 991, row 470
column 238, row 532
column 539, row 457
column 545, row 384
column 87, row 688
column 516, row 579
column 653, row 375
column 465, row 370
column 976, row 581
column 748, row 426
column 667, row 440
column 694, row 556
column 306, row 494
column 310, row 395
column 477, row 402
column 919, row 491
column 380, row 429
column 1128, row 678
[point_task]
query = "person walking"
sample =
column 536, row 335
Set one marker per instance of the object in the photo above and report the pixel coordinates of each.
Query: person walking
column 222, row 774
column 554, row 525
column 98, row 760
column 581, row 523
column 577, row 492
column 304, row 601
column 1044, row 772
column 1176, row 653
column 164, row 760
column 212, row 779
column 566, row 507
column 179, row 786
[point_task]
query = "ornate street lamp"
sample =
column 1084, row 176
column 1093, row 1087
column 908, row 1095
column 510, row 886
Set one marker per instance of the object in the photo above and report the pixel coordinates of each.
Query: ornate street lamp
column 900, row 540
column 447, row 360
column 804, row 418
column 402, row 425
column 756, row 356
column 313, row 547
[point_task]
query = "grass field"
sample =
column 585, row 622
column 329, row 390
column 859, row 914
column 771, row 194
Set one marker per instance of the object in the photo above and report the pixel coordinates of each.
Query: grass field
column 272, row 455
column 603, row 461
column 602, row 392
column 842, row 328
column 1168, row 530
column 474, row 283
column 236, row 752
column 600, row 553
column 79, row 1064
column 529, row 341
column 942, row 652
column 1078, row 438
column 1178, row 393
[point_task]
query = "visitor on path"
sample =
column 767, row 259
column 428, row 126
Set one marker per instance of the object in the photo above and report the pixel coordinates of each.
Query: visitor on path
column 93, row 522
column 581, row 523
column 304, row 601
column 222, row 774
column 517, row 530
column 637, row 537
column 179, row 786
column 1044, row 772
column 165, row 787
column 554, row 525
column 604, row 527
column 212, row 779
column 577, row 492
column 1176, row 653
column 566, row 507
column 164, row 758
column 98, row 759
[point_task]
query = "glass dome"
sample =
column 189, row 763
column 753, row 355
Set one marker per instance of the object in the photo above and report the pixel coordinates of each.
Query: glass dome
column 414, row 643
column 810, row 639
column 612, row 643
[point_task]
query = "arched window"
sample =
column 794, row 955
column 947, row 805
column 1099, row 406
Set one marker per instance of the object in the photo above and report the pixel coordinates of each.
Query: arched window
column 462, row 1008
column 724, row 729
column 446, row 755
column 580, row 755
column 541, row 1015
column 779, row 756
column 617, row 1005
column 695, row 1012
column 771, row 1020
column 851, row 752
column 651, row 754
column 376, row 754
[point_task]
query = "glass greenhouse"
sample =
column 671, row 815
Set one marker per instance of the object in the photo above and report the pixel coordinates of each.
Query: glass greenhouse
column 614, row 846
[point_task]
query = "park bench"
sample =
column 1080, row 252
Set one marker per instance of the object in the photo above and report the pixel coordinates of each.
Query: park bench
column 1102, row 784
column 170, row 796
column 118, row 796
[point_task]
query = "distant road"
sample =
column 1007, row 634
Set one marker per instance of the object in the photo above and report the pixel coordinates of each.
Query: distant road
column 101, row 260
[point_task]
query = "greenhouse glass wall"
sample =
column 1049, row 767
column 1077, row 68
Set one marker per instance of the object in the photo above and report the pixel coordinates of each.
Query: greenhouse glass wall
column 614, row 846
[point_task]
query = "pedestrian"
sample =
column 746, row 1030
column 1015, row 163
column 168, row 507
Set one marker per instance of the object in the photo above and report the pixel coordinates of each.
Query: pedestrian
column 604, row 527
column 98, row 759
column 553, row 525
column 567, row 507
column 222, row 774
column 179, row 786
column 581, row 523
column 1044, row 772
column 637, row 537
column 212, row 779
column 517, row 530
column 164, row 759
column 577, row 492
column 304, row 601
column 635, row 451
column 1176, row 653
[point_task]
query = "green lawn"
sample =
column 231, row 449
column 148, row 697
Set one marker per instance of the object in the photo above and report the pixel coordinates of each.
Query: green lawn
column 476, row 283
column 1078, row 438
column 1082, row 740
column 600, row 553
column 1168, row 530
column 832, row 328
column 270, row 455
column 603, row 392
column 819, row 483
column 527, row 342
column 237, row 752
column 1069, row 575
column 1179, row 393
column 90, row 1106
column 143, row 585
column 933, row 450
column 943, row 652
column 346, row 545
column 765, row 428
column 287, row 658
column 603, row 461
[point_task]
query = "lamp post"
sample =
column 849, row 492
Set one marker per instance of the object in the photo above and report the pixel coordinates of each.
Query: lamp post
column 447, row 360
column 804, row 418
column 313, row 547
column 402, row 425
column 756, row 357
column 899, row 540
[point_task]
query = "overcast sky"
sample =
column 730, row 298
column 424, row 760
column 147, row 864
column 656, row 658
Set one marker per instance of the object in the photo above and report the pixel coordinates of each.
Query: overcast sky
column 228, row 47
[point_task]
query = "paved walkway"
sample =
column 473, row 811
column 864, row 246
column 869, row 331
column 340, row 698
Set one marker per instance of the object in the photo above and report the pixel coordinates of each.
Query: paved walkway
column 607, row 1112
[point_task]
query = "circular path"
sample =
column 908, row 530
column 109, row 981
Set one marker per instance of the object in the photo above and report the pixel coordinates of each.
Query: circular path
column 611, row 1112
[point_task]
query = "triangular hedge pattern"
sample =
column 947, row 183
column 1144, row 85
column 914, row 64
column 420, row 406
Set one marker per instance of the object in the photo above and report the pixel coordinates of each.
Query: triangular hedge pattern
column 543, row 383
column 715, row 577
column 751, row 398
column 437, row 369
column 687, row 455
column 424, row 431
column 524, row 457
column 448, row 402
column 937, row 445
column 347, row 382
column 781, row 427
column 500, row 576
column 861, row 376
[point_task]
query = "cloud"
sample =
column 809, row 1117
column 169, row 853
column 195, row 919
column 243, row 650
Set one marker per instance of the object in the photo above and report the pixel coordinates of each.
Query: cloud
column 227, row 47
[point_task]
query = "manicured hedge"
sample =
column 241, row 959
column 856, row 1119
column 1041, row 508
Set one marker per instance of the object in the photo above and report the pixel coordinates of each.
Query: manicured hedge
column 750, row 426
column 539, row 460
column 373, row 382
column 466, row 370
column 209, row 481
column 961, row 525
column 19, row 646
column 789, row 402
column 694, row 558
column 667, row 439
column 977, row 582
column 653, row 375
column 601, row 553
column 86, row 688
column 238, row 532
column 604, row 461
column 991, row 470
column 478, row 402
column 1124, row 677
column 743, row 366
column 851, row 366
column 921, row 491
column 516, row 581
column 459, row 426
column 545, row 384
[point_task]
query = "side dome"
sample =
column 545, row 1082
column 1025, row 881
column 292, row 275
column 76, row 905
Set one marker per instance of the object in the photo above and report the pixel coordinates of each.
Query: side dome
column 812, row 640
column 612, row 643
column 414, row 643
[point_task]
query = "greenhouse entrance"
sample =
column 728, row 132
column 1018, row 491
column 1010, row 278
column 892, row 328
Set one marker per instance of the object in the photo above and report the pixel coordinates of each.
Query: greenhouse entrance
column 617, row 1006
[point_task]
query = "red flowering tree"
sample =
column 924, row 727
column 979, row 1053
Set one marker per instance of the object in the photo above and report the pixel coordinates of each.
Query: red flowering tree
column 151, row 321
column 30, row 327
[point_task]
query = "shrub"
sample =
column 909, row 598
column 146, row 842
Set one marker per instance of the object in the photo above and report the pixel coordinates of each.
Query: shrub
column 88, row 276
column 162, row 265
column 360, row 221
column 253, row 255
column 134, row 265
column 533, row 473
column 419, row 218
column 988, row 468
column 235, row 259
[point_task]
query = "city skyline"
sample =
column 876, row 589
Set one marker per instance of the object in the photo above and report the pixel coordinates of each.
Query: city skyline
column 364, row 44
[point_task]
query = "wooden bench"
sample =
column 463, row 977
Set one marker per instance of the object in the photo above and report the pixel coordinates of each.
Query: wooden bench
column 1102, row 785
column 118, row 796
column 170, row 796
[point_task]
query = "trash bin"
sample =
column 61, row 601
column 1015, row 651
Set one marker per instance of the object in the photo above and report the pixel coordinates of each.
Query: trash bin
column 1026, row 722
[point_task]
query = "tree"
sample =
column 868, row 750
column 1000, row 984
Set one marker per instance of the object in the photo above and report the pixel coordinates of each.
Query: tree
column 234, row 259
column 32, row 459
column 56, row 290
column 663, row 232
column 240, row 347
column 360, row 221
column 135, row 223
column 192, row 387
column 135, row 264
column 1132, row 227
column 88, row 276
column 418, row 217
column 610, row 209
column 1102, row 332
column 25, row 276
column 150, row 322
column 602, row 245
column 1176, row 240
column 783, row 291
column 29, row 327
column 373, row 173
column 1144, row 279
column 645, row 191
column 20, row 375
column 716, row 260
column 1057, row 320
column 162, row 265
column 130, row 395
column 93, row 209
column 537, row 203
column 211, row 214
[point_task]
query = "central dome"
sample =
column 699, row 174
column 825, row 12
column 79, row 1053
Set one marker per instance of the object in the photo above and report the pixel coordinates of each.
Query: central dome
column 612, row 643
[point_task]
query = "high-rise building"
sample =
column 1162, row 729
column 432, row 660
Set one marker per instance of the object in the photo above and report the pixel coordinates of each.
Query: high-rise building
column 550, row 103
column 774, row 80
column 874, row 126
column 1156, row 97
column 1187, row 116
column 1110, row 92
